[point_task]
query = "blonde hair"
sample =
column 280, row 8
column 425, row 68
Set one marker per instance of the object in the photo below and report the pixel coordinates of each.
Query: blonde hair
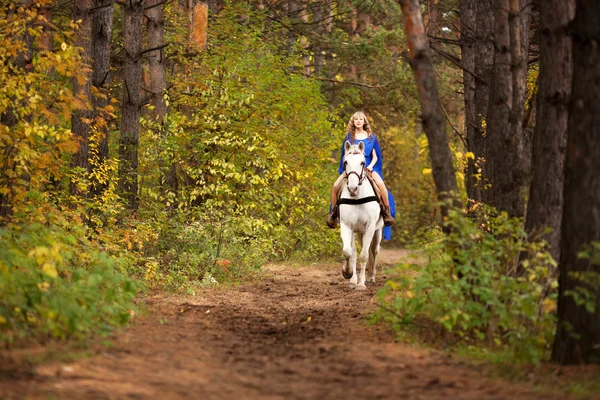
column 350, row 128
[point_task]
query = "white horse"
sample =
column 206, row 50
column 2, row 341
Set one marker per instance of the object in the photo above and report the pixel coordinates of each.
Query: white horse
column 360, row 218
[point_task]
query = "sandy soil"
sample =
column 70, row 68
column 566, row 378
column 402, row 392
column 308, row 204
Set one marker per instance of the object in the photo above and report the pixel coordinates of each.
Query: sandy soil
column 299, row 333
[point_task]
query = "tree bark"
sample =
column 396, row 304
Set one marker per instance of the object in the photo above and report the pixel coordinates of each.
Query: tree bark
column 158, row 82
column 102, row 33
column 293, row 13
column 467, row 9
column 45, row 41
column 544, row 209
column 507, row 152
column 433, row 17
column 434, row 123
column 484, row 61
column 198, row 26
column 318, row 11
column 578, row 331
column 80, row 118
column 132, row 103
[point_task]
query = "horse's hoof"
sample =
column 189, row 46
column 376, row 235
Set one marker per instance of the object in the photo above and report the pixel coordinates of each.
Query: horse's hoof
column 346, row 275
column 361, row 287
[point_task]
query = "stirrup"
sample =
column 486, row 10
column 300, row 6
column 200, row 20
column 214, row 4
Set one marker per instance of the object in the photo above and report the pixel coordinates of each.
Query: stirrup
column 388, row 220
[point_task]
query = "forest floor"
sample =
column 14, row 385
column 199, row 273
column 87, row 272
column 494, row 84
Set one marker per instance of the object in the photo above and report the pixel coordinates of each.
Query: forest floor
column 297, row 333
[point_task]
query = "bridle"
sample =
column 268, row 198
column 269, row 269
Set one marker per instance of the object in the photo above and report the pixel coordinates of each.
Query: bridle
column 360, row 177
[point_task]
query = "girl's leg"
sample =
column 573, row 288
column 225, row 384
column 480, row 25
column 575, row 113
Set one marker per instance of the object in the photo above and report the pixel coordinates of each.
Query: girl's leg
column 387, row 215
column 333, row 215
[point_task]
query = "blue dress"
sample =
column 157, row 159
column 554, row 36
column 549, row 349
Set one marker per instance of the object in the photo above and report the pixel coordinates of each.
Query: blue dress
column 371, row 143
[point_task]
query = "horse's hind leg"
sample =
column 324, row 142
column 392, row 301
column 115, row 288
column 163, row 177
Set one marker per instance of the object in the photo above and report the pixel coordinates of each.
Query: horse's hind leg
column 354, row 278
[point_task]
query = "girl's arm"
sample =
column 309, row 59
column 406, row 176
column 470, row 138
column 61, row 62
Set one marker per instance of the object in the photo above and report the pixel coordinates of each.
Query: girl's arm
column 373, row 162
column 341, row 168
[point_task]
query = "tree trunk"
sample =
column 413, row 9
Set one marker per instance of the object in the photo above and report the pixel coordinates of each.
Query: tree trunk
column 484, row 61
column 293, row 13
column 102, row 34
column 544, row 209
column 434, row 123
column 468, row 10
column 318, row 9
column 519, row 16
column 132, row 102
column 433, row 17
column 507, row 152
column 158, row 81
column 578, row 331
column 80, row 118
column 198, row 30
column 45, row 41
column 158, row 77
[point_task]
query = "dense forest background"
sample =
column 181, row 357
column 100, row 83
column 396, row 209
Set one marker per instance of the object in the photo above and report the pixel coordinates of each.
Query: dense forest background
column 175, row 144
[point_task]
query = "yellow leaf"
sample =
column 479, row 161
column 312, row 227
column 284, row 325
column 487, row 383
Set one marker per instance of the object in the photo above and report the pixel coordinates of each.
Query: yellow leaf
column 63, row 46
column 426, row 171
column 470, row 155
column 548, row 305
column 50, row 270
column 2, row 320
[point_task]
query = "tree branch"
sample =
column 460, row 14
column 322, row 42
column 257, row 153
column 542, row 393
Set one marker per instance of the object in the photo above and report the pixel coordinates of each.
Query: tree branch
column 343, row 82
column 110, row 4
column 460, row 135
column 457, row 62
column 444, row 40
column 154, row 48
column 156, row 5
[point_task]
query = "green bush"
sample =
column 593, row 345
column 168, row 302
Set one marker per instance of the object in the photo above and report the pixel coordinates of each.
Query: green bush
column 203, row 246
column 56, row 283
column 471, row 287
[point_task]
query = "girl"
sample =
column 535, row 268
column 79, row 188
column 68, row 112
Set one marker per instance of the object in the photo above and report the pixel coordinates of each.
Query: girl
column 359, row 130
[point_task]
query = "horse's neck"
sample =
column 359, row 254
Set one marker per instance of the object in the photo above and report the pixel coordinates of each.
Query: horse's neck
column 364, row 190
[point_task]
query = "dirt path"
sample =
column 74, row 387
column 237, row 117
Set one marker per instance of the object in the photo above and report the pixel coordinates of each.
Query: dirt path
column 298, row 334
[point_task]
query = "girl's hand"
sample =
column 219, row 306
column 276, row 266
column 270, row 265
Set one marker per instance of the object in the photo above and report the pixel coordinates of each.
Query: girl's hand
column 370, row 169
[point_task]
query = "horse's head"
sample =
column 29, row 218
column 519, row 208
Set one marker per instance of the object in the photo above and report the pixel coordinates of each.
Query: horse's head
column 354, row 166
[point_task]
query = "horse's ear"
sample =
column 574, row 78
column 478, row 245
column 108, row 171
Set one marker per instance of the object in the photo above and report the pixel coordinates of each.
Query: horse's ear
column 347, row 146
column 361, row 147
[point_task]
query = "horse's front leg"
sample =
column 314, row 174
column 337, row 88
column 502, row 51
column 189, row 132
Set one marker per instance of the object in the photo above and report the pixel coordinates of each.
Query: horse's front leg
column 349, row 267
column 367, row 237
column 375, row 248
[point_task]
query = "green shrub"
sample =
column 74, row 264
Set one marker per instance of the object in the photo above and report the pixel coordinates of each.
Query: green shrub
column 470, row 286
column 56, row 283
column 203, row 246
